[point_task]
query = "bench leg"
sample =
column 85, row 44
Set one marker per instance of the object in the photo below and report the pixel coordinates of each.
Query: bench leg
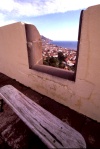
column 1, row 104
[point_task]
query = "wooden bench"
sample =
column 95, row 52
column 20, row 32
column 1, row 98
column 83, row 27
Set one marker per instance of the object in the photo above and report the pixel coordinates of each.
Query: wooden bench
column 51, row 130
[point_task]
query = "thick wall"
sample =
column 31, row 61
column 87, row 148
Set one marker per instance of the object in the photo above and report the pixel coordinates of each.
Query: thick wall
column 83, row 95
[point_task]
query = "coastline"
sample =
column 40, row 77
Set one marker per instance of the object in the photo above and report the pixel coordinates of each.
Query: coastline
column 65, row 44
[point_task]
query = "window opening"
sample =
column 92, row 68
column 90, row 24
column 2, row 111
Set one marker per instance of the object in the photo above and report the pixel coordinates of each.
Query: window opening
column 51, row 58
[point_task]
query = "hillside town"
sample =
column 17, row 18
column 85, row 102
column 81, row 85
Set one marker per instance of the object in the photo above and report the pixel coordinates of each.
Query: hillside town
column 57, row 56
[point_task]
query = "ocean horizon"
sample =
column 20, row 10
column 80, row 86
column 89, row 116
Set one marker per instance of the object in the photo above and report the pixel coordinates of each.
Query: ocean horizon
column 66, row 44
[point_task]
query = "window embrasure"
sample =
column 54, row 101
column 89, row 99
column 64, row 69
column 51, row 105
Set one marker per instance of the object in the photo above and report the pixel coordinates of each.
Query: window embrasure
column 36, row 59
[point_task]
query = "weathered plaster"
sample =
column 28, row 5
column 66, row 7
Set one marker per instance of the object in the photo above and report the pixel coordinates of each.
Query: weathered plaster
column 83, row 95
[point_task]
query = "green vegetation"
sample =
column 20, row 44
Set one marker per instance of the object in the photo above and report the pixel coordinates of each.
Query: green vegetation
column 58, row 62
column 51, row 61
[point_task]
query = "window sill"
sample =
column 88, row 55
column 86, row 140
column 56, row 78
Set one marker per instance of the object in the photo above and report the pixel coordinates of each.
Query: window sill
column 55, row 71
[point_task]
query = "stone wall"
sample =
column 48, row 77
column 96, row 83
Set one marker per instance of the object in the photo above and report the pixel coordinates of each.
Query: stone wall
column 83, row 95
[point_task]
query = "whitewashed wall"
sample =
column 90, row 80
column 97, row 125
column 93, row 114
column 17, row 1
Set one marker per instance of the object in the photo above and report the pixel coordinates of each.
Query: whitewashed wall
column 83, row 95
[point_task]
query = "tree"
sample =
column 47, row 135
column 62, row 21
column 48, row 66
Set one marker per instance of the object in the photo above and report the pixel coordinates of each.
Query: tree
column 61, row 56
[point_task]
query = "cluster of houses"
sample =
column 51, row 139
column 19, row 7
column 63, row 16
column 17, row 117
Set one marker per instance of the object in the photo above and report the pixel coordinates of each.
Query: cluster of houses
column 51, row 50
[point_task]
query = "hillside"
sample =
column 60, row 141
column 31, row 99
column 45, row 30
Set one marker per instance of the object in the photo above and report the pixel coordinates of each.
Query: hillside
column 45, row 39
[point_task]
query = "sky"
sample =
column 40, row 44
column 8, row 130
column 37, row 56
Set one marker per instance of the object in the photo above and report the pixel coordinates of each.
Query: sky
column 54, row 19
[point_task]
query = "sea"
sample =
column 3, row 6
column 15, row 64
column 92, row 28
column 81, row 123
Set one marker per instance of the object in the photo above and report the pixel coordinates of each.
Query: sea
column 66, row 44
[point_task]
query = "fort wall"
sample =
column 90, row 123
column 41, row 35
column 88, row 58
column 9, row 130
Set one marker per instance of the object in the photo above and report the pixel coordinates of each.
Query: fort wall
column 83, row 95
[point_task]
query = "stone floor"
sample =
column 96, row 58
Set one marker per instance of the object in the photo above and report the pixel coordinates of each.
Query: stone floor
column 14, row 134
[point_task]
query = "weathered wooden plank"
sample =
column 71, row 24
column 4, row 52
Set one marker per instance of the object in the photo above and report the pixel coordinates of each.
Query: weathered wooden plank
column 51, row 130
